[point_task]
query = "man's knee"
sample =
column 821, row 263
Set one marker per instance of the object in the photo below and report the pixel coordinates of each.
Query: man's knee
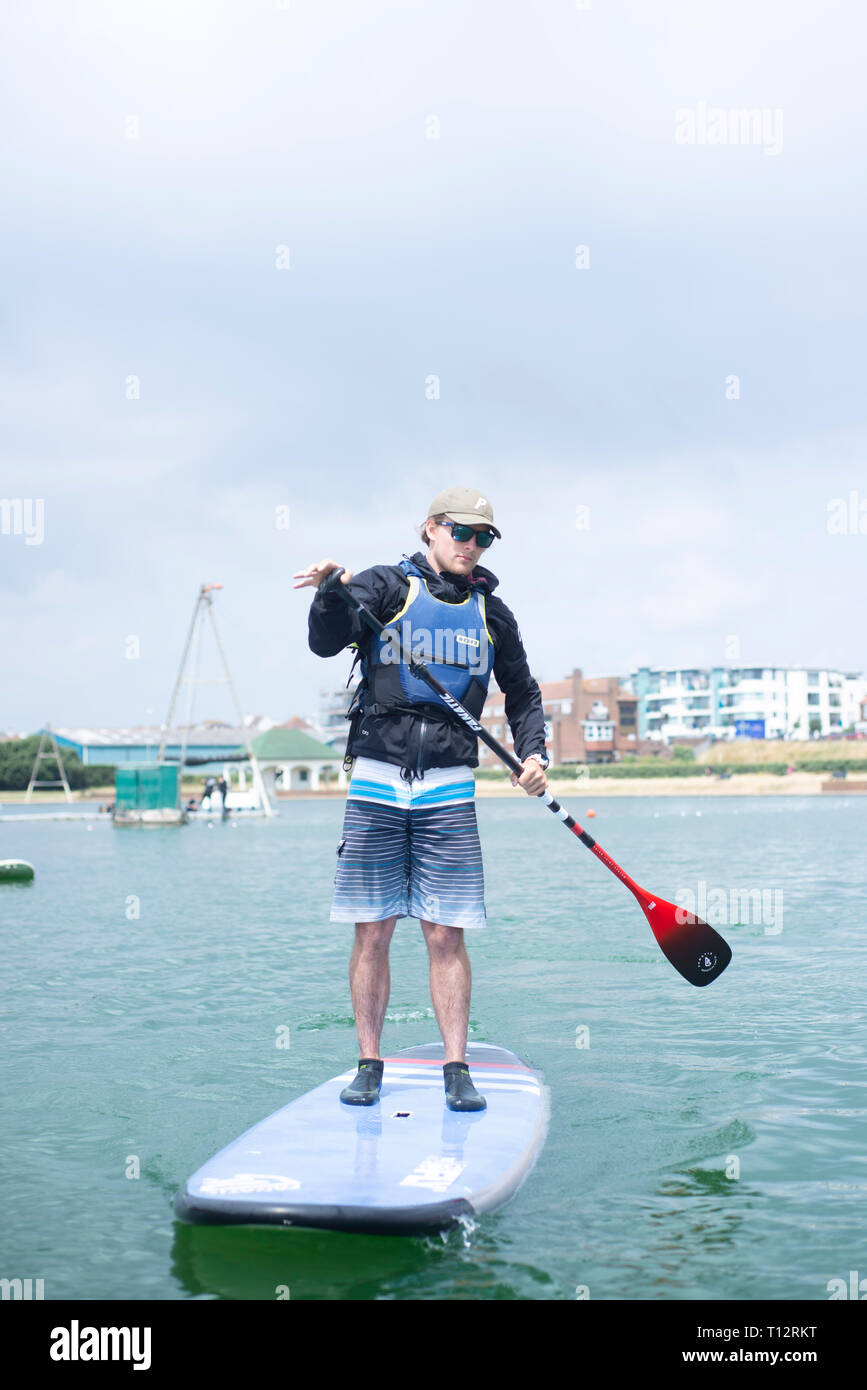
column 374, row 937
column 442, row 940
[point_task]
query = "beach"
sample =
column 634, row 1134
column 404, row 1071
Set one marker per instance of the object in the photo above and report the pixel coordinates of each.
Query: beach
column 739, row 784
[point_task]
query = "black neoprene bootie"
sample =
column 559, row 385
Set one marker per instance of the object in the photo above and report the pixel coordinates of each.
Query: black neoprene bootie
column 364, row 1090
column 461, row 1094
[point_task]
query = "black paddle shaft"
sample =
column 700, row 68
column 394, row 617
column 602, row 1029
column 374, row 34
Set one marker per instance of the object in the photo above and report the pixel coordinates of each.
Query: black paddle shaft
column 692, row 946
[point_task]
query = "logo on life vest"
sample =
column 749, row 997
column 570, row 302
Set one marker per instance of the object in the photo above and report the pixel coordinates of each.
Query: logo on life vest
column 467, row 641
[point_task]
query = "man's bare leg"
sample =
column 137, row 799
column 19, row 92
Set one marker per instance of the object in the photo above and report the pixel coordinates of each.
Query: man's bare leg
column 370, row 982
column 450, row 986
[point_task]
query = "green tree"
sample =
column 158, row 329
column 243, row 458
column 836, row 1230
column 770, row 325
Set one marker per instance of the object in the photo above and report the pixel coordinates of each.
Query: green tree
column 18, row 755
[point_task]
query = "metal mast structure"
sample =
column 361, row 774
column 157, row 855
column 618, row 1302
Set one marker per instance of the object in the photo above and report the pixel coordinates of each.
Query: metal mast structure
column 48, row 732
column 204, row 610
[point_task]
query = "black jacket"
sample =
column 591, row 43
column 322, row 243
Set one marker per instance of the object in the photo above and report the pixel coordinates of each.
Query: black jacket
column 433, row 737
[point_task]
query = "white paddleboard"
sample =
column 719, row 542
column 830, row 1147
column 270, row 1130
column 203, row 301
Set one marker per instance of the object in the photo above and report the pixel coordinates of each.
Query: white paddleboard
column 404, row 1165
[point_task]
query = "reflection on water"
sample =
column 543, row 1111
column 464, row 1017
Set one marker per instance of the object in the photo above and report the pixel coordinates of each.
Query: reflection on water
column 260, row 1262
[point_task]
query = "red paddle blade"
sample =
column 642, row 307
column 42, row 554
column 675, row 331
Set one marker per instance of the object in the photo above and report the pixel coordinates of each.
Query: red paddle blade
column 692, row 946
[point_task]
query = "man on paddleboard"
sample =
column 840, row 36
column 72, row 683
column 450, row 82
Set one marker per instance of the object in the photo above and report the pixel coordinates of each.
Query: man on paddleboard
column 410, row 844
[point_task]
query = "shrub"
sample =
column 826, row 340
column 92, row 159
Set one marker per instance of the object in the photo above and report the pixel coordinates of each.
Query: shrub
column 17, row 757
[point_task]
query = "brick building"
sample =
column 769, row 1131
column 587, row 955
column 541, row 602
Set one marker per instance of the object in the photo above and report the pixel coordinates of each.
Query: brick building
column 587, row 720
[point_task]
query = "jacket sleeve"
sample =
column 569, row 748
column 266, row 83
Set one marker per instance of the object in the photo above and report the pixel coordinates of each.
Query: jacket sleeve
column 332, row 625
column 523, row 696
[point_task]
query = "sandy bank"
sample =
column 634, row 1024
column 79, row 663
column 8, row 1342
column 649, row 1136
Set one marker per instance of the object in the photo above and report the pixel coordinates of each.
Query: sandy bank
column 739, row 784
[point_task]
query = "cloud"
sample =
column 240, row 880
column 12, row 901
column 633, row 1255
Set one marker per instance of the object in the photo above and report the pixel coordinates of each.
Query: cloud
column 680, row 521
column 697, row 594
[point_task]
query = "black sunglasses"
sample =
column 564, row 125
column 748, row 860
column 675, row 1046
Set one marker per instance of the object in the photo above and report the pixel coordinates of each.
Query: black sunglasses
column 461, row 532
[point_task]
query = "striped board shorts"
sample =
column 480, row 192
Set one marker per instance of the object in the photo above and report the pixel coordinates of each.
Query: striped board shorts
column 410, row 849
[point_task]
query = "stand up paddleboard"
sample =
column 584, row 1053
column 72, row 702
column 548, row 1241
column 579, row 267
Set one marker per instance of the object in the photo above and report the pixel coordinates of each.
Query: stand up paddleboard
column 403, row 1166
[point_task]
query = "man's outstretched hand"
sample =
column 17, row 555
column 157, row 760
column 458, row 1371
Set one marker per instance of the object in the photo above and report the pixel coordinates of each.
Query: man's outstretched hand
column 314, row 574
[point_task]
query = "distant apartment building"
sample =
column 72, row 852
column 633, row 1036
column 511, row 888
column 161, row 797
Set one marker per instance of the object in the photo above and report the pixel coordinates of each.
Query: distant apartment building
column 587, row 720
column 330, row 724
column 599, row 718
column 757, row 702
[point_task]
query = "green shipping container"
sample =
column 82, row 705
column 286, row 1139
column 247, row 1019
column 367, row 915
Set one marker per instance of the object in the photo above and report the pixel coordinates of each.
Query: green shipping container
column 146, row 787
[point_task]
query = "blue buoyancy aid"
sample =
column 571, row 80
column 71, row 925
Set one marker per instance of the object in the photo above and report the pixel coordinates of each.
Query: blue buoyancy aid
column 451, row 638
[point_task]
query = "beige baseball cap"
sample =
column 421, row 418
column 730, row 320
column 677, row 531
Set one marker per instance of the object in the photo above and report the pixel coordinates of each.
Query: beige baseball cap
column 464, row 504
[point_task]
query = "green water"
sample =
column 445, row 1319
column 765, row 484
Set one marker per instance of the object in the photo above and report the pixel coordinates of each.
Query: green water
column 707, row 1144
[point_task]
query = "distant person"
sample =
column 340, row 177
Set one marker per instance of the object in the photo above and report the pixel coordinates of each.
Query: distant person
column 210, row 783
column 223, row 787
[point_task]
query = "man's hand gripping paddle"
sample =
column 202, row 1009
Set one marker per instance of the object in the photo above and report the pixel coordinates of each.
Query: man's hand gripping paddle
column 692, row 946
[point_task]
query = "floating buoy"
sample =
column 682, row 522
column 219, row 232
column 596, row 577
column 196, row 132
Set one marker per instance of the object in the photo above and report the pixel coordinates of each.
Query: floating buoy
column 16, row 871
column 591, row 814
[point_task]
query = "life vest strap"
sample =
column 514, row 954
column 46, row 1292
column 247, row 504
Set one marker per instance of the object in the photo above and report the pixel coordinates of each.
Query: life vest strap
column 420, row 709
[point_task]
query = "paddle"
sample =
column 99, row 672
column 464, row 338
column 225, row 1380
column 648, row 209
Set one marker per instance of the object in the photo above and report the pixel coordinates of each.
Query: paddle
column 692, row 946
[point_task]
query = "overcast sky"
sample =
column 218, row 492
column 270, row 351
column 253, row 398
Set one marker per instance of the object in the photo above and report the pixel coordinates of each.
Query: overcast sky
column 241, row 239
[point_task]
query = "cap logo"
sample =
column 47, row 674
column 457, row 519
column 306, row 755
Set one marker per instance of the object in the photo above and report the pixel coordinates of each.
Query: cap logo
column 482, row 502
